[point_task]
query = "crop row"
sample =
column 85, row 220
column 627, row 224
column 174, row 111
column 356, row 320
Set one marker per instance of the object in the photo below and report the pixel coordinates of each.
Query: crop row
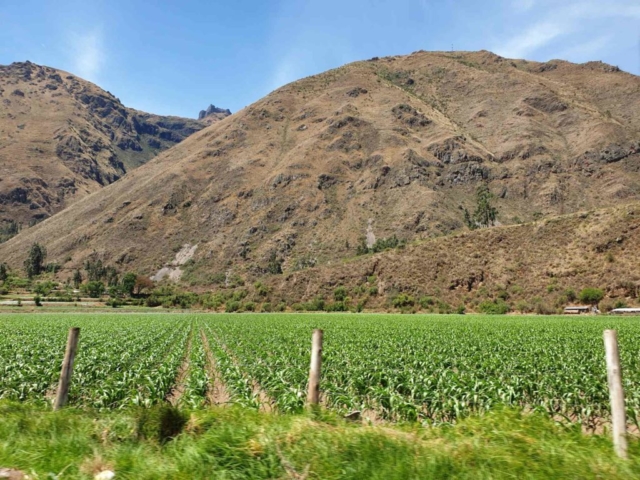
column 425, row 368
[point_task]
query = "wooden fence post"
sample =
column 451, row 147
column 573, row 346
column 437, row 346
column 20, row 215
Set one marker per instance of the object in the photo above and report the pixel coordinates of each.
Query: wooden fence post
column 616, row 393
column 67, row 368
column 313, row 396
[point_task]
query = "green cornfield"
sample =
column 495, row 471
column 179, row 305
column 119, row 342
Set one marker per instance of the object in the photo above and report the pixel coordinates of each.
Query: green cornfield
column 426, row 368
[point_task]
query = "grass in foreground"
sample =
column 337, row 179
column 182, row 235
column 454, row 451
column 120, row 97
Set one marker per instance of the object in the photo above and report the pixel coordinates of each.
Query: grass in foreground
column 234, row 443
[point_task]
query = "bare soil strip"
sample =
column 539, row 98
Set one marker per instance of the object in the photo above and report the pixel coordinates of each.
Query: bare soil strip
column 177, row 390
column 217, row 393
column 267, row 404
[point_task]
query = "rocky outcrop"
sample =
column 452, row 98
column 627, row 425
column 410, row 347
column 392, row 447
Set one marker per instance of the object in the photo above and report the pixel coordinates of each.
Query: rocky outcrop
column 212, row 110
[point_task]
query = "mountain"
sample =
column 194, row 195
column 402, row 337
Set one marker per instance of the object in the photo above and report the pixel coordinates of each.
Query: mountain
column 62, row 138
column 537, row 266
column 213, row 114
column 387, row 147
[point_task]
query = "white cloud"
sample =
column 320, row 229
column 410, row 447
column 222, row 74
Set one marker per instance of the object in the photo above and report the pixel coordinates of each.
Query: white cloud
column 531, row 39
column 572, row 17
column 88, row 54
column 583, row 52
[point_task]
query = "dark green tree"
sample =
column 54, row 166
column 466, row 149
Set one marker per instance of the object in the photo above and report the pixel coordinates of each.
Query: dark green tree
column 4, row 272
column 469, row 221
column 77, row 279
column 96, row 271
column 591, row 295
column 111, row 275
column 34, row 263
column 485, row 214
column 94, row 289
column 129, row 283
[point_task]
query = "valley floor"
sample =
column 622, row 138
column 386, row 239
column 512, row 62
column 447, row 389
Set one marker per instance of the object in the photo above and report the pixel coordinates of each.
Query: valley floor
column 238, row 443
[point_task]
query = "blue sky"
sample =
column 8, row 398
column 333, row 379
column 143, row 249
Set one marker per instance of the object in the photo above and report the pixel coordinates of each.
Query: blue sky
column 176, row 57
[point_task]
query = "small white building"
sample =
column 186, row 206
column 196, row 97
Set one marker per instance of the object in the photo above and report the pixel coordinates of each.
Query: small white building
column 577, row 309
column 625, row 311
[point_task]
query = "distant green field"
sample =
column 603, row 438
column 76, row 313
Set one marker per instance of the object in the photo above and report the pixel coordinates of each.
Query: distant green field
column 428, row 368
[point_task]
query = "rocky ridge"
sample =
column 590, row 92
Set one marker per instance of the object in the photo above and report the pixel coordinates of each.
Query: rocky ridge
column 62, row 138
column 213, row 114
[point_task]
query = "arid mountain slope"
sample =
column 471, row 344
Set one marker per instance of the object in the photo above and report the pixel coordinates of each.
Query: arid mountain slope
column 62, row 137
column 391, row 146
column 520, row 263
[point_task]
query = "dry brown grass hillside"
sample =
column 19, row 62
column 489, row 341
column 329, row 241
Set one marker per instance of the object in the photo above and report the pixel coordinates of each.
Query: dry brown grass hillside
column 536, row 266
column 62, row 138
column 389, row 146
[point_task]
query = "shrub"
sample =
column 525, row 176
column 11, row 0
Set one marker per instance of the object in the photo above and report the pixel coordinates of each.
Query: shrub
column 281, row 307
column 523, row 307
column 266, row 307
column 17, row 282
column 337, row 307
column 250, row 307
column 503, row 294
column 402, row 300
column 426, row 302
column 461, row 310
column 261, row 289
column 620, row 304
column 37, row 300
column 380, row 245
column 606, row 305
column 315, row 305
column 217, row 278
column 495, row 307
column 516, row 289
column 591, row 295
column 114, row 303
column 339, row 294
column 373, row 291
column 52, row 268
column 153, row 301
column 44, row 288
column 211, row 302
column 444, row 307
column 542, row 308
column 297, row 307
column 274, row 266
column 570, row 294
column 239, row 295
column 232, row 306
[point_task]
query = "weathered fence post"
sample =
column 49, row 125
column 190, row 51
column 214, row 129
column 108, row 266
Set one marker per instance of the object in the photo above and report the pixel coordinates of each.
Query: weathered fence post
column 616, row 393
column 67, row 368
column 313, row 396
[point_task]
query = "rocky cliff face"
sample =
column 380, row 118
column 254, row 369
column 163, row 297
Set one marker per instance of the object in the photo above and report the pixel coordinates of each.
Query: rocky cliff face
column 62, row 138
column 389, row 147
column 213, row 114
